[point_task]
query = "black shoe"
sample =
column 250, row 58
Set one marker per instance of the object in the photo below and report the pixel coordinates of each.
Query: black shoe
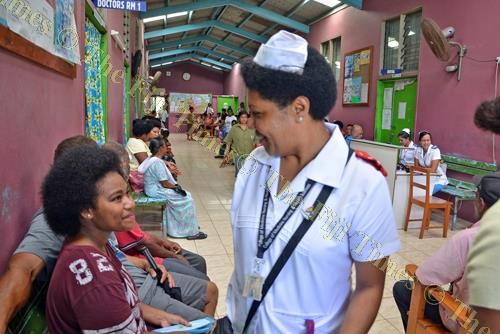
column 219, row 157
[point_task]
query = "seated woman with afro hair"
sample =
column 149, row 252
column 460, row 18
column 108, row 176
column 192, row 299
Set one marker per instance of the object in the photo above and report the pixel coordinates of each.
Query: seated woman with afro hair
column 85, row 199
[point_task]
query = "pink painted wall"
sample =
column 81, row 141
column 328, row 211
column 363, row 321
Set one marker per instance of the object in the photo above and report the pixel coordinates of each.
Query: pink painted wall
column 114, row 21
column 34, row 101
column 234, row 84
column 444, row 106
column 203, row 81
column 38, row 109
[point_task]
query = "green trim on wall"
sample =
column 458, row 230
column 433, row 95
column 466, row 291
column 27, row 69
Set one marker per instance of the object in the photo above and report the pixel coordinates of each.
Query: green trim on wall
column 104, row 80
column 91, row 15
column 126, row 103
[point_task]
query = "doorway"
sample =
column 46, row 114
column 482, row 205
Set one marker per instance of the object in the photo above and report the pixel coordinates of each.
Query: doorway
column 395, row 110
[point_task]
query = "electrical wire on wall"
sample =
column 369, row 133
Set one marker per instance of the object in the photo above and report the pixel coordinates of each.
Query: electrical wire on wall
column 497, row 61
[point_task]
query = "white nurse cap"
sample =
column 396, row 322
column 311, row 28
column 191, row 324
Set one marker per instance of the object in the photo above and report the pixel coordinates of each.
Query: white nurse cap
column 406, row 130
column 284, row 51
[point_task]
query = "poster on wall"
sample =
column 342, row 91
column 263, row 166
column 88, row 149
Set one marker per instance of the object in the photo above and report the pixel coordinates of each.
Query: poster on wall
column 65, row 33
column 31, row 19
column 36, row 21
column 180, row 102
column 357, row 76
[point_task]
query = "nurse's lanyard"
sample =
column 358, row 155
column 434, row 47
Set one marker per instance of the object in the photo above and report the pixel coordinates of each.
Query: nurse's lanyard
column 255, row 281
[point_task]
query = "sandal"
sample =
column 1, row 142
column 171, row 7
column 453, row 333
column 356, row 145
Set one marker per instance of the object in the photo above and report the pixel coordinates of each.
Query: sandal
column 198, row 236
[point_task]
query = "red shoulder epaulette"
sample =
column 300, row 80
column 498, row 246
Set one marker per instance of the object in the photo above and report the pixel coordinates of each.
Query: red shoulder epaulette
column 372, row 161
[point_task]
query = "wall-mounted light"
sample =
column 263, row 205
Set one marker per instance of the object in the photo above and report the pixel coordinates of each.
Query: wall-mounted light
column 116, row 36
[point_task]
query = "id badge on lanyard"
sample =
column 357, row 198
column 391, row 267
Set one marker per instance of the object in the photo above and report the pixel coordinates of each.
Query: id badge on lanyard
column 254, row 282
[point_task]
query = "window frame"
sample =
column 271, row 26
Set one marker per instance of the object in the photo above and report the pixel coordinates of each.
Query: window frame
column 329, row 55
column 402, row 18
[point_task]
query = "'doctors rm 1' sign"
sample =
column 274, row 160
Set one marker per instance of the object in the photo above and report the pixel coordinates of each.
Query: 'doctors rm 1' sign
column 138, row 6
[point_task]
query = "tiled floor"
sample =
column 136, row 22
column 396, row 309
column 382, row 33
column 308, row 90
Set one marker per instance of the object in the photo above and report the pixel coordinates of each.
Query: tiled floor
column 212, row 189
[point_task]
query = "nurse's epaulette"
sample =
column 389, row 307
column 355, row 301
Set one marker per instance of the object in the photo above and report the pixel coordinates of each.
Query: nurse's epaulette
column 372, row 161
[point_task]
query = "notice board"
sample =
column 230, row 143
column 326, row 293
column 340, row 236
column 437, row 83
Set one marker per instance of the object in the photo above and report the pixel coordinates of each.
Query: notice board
column 357, row 76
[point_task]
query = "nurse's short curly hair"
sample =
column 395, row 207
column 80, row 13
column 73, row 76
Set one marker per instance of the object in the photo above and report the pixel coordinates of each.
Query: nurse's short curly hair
column 71, row 186
column 317, row 83
column 487, row 116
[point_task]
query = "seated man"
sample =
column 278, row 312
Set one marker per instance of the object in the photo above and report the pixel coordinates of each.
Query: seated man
column 37, row 253
column 448, row 264
column 356, row 133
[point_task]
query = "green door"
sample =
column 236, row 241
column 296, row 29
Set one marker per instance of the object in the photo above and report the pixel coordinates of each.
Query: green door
column 396, row 105
column 226, row 101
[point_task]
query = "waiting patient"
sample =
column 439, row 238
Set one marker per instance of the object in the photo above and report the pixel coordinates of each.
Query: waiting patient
column 35, row 258
column 90, row 290
column 448, row 264
column 180, row 213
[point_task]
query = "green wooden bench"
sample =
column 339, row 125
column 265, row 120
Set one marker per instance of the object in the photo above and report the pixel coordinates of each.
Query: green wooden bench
column 143, row 201
column 31, row 318
column 463, row 190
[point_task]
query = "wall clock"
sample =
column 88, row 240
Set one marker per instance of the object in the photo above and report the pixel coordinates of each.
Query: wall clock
column 186, row 76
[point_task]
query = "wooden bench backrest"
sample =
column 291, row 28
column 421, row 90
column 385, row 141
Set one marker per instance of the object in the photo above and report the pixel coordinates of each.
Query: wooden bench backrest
column 468, row 166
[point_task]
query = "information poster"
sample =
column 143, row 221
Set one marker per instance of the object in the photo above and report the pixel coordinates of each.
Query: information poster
column 180, row 102
column 357, row 76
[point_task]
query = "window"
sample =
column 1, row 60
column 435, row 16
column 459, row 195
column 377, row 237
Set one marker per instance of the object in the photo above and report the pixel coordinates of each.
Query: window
column 331, row 51
column 402, row 42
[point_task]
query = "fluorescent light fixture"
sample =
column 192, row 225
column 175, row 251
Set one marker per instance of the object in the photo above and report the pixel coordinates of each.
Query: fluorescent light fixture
column 154, row 18
column 392, row 43
column 206, row 64
column 221, row 59
column 217, row 68
column 170, row 16
column 411, row 33
column 156, row 65
column 329, row 3
column 168, row 63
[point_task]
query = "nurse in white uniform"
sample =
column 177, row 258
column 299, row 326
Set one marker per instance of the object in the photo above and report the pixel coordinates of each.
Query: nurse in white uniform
column 407, row 154
column 291, row 88
column 429, row 156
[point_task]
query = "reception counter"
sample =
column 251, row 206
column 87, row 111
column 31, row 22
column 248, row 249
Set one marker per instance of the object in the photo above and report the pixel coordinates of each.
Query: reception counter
column 398, row 182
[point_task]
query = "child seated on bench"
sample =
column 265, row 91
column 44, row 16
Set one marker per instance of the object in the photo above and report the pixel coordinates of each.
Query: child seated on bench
column 448, row 264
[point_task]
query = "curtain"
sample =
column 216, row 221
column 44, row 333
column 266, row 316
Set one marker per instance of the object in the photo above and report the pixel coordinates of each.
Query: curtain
column 94, row 113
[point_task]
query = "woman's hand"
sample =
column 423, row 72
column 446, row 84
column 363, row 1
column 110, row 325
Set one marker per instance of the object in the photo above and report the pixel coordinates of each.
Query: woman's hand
column 161, row 318
column 173, row 168
column 170, row 319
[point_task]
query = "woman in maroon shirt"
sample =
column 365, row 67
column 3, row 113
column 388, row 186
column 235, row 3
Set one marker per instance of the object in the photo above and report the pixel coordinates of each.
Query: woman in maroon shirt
column 85, row 199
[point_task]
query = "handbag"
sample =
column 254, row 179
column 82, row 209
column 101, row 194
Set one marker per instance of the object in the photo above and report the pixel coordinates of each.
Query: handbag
column 178, row 189
column 223, row 326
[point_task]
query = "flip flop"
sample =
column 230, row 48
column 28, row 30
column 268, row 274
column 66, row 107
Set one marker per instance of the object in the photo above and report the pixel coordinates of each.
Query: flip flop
column 198, row 236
